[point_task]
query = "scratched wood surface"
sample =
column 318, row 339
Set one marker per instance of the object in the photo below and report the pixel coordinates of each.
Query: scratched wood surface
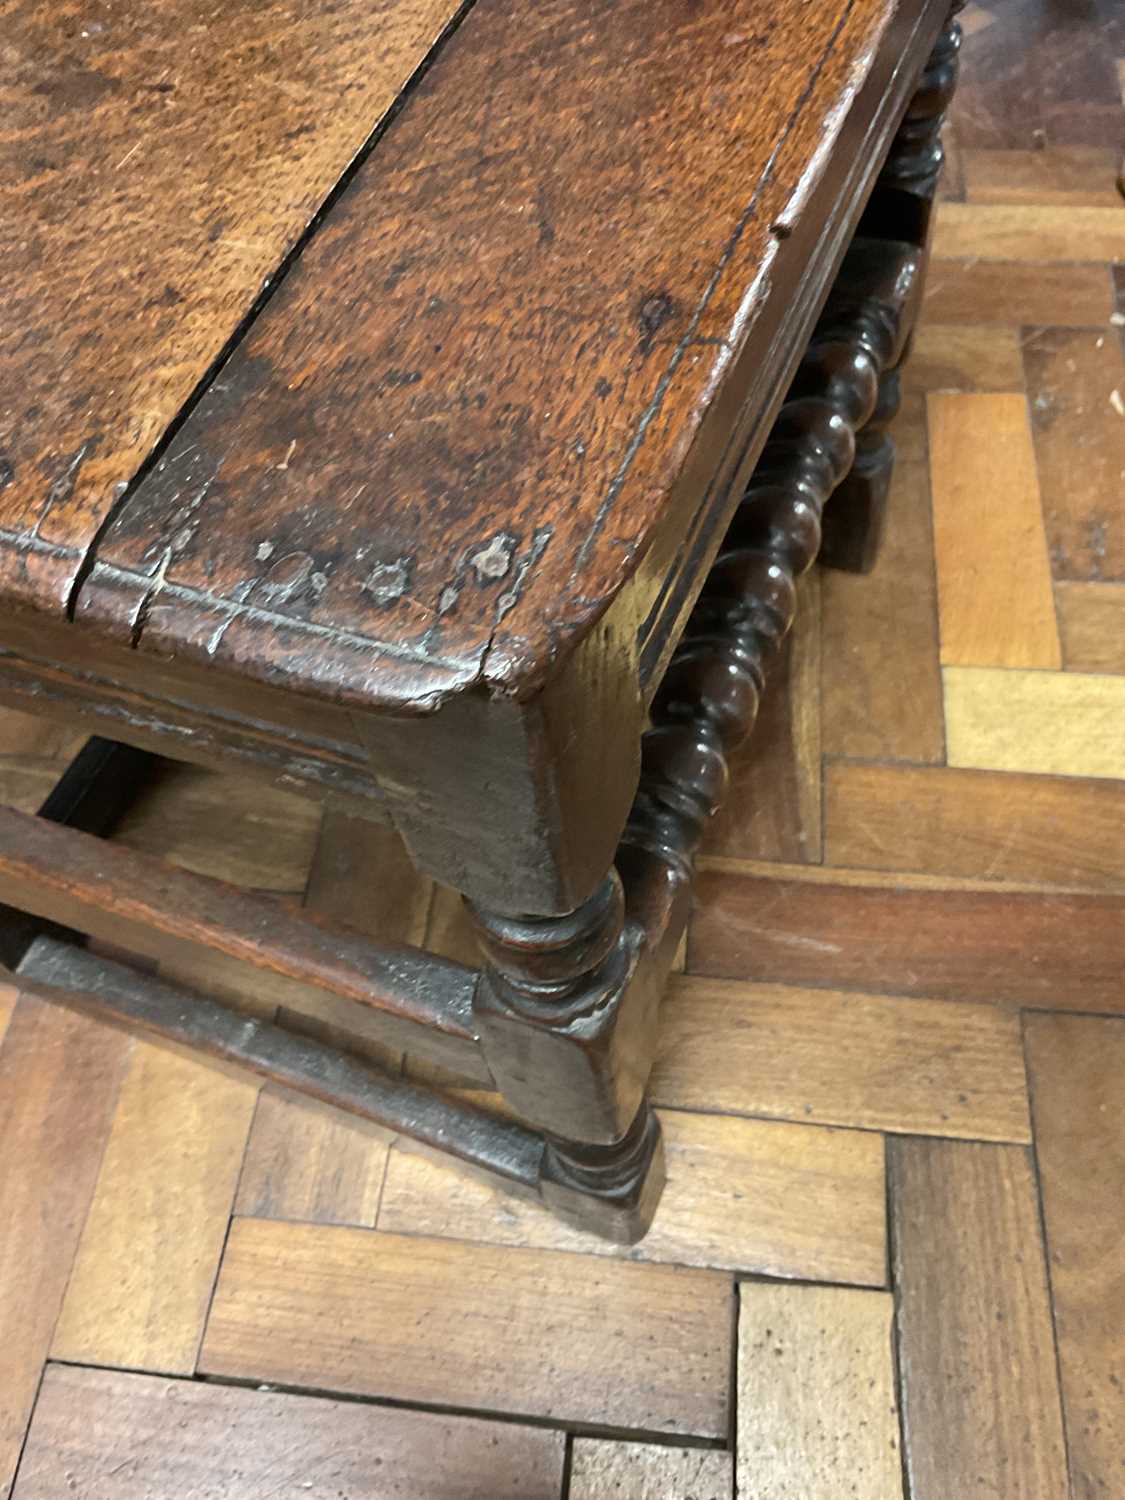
column 158, row 163
column 446, row 463
column 880, row 957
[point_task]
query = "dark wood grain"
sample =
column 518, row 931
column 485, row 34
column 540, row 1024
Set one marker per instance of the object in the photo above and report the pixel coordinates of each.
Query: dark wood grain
column 954, row 940
column 980, row 1396
column 91, row 794
column 70, row 977
column 158, row 162
column 1076, row 1066
column 148, row 907
column 567, row 1006
column 495, row 355
column 1070, row 375
column 106, row 1435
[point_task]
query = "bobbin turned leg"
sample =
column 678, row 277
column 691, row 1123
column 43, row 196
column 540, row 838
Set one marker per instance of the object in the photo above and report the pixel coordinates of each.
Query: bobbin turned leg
column 900, row 211
column 566, row 1011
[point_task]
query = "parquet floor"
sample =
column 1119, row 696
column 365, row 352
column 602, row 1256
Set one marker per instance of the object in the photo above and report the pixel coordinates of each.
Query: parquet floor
column 891, row 1257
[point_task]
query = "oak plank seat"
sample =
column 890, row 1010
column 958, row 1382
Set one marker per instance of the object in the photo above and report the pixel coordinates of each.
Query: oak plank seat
column 417, row 528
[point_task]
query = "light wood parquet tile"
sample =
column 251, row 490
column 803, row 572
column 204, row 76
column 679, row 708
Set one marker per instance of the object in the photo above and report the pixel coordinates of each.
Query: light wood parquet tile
column 531, row 1333
column 59, row 1081
column 603, row 1470
column 817, row 1410
column 141, row 1285
column 1049, row 723
column 745, row 1195
column 105, row 1435
column 995, row 602
column 1027, row 232
column 840, row 1058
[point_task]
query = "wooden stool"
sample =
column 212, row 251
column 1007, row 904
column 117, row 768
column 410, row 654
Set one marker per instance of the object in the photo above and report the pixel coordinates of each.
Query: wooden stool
column 456, row 472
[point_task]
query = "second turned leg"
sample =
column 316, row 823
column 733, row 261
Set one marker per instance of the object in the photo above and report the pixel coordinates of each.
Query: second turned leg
column 900, row 212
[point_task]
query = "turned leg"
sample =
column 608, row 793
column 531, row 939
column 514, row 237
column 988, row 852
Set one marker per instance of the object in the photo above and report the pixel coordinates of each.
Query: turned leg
column 900, row 212
column 854, row 522
column 901, row 206
column 566, row 1010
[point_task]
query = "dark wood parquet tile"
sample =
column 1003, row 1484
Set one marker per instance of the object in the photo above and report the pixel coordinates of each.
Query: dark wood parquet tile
column 1077, row 1066
column 1073, row 375
column 976, row 1348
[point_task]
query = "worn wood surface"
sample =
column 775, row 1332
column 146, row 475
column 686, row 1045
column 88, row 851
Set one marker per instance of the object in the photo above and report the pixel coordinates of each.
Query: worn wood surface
column 111, row 1436
column 975, row 1340
column 647, row 1471
column 1078, row 176
column 455, row 551
column 811, row 1034
column 212, row 118
column 880, row 629
column 1018, row 292
column 432, row 1321
column 310, row 1164
column 746, row 1195
column 837, row 1058
column 146, row 906
column 185, row 813
column 1090, row 625
column 59, row 1080
column 965, row 357
column 920, row 935
column 1079, row 432
column 1077, row 1066
column 1008, row 232
column 978, row 824
column 817, row 1414
column 141, row 1284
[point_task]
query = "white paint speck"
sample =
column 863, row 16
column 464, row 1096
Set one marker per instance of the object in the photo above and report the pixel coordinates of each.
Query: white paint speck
column 494, row 560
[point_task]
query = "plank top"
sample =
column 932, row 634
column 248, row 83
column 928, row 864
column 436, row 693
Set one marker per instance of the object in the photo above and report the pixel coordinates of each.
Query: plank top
column 156, row 164
column 464, row 414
